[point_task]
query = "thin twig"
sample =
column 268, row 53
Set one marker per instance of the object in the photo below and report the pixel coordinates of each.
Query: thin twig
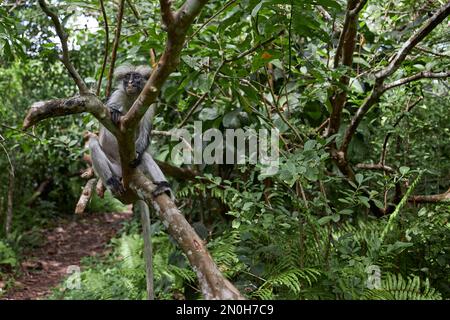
column 65, row 54
column 115, row 47
column 19, row 131
column 105, row 57
column 225, row 7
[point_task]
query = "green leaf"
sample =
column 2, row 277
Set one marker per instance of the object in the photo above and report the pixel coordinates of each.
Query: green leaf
column 359, row 178
column 324, row 220
column 404, row 170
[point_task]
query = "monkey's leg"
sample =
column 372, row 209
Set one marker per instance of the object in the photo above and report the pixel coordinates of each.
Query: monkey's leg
column 108, row 172
column 152, row 170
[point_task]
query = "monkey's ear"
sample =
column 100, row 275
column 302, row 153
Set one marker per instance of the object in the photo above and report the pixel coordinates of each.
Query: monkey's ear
column 121, row 71
column 144, row 70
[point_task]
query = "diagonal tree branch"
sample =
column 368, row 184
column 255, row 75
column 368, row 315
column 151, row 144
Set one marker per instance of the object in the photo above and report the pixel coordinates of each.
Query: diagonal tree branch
column 82, row 87
column 167, row 63
column 418, row 36
column 415, row 77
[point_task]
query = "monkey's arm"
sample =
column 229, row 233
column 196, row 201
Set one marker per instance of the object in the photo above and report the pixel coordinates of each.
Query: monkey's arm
column 115, row 104
column 143, row 139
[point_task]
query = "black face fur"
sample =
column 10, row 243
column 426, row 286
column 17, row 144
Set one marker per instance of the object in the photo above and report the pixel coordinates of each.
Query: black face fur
column 133, row 83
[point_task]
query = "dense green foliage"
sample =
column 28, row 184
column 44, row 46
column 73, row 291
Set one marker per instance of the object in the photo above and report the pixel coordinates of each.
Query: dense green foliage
column 304, row 232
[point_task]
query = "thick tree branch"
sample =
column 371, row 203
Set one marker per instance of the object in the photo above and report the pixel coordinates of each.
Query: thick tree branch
column 63, row 107
column 212, row 283
column 417, row 76
column 82, row 87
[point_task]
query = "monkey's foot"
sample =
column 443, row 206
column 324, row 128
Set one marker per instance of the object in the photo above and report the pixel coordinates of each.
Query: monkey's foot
column 115, row 185
column 162, row 187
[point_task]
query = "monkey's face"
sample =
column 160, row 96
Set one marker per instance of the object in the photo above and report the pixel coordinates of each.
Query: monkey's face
column 133, row 83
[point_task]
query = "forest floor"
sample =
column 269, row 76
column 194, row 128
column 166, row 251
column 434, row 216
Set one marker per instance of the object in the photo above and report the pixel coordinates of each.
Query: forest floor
column 65, row 245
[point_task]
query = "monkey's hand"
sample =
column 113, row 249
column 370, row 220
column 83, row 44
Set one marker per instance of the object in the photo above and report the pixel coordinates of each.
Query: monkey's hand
column 137, row 161
column 115, row 185
column 162, row 187
column 115, row 115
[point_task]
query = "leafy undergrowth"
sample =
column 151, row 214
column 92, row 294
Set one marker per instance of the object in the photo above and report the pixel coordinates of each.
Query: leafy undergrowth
column 275, row 265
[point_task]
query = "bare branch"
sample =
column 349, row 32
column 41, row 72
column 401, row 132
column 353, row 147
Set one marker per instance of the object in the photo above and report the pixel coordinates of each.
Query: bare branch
column 85, row 196
column 82, row 87
column 254, row 48
column 194, row 107
column 442, row 55
column 138, row 17
column 377, row 166
column 88, row 173
column 62, row 107
column 434, row 198
column 100, row 189
column 188, row 11
column 417, row 76
column 349, row 28
column 115, row 47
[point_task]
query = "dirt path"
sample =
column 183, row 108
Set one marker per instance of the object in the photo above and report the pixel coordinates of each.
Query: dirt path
column 65, row 245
